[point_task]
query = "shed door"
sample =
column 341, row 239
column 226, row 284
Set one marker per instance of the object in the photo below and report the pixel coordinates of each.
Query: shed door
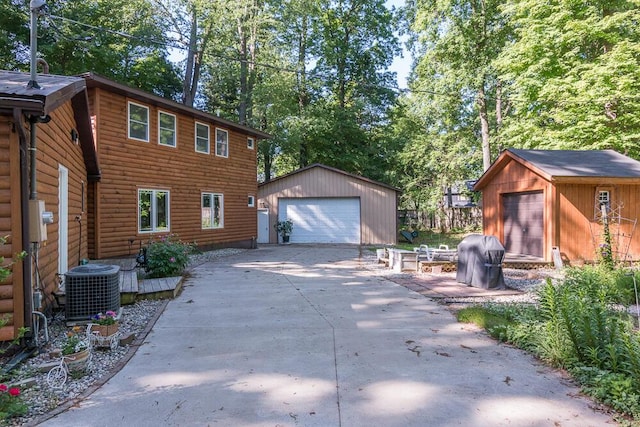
column 523, row 223
column 322, row 220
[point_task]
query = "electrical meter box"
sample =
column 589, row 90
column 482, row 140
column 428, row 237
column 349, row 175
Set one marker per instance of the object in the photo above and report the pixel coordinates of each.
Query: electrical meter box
column 38, row 220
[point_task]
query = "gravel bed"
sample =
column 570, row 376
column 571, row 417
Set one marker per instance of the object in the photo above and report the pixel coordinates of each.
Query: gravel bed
column 43, row 399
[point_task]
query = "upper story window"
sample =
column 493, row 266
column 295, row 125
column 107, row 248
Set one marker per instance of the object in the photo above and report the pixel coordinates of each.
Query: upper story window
column 202, row 138
column 251, row 143
column 212, row 210
column 604, row 198
column 251, row 201
column 153, row 210
column 138, row 122
column 222, row 143
column 166, row 129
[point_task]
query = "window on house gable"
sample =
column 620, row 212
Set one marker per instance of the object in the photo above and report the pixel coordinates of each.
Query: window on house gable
column 153, row 211
column 138, row 122
column 222, row 143
column 212, row 210
column 250, row 143
column 604, row 198
column 166, row 129
column 202, row 138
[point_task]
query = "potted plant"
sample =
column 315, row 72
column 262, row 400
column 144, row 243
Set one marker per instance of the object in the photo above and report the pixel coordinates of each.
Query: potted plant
column 283, row 228
column 76, row 349
column 105, row 324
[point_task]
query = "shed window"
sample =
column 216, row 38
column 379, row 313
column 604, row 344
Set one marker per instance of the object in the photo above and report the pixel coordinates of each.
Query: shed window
column 138, row 122
column 604, row 198
column 166, row 129
column 222, row 143
column 153, row 210
column 202, row 138
column 212, row 210
column 251, row 143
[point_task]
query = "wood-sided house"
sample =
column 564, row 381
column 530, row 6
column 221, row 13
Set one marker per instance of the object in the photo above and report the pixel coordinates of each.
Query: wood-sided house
column 53, row 124
column 117, row 167
column 535, row 200
column 167, row 169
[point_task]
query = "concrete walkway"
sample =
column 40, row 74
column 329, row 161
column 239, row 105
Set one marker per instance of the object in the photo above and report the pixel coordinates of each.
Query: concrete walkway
column 304, row 336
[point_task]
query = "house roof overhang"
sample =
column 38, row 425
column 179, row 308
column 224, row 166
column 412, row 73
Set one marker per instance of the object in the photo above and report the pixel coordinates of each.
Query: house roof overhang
column 97, row 81
column 54, row 91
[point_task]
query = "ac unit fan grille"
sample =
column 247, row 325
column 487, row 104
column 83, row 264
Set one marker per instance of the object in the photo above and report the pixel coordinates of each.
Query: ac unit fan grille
column 91, row 289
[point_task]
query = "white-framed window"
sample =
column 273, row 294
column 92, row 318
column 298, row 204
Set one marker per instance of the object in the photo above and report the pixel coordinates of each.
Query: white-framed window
column 251, row 201
column 166, row 129
column 153, row 210
column 251, row 143
column 604, row 198
column 202, row 138
column 212, row 210
column 222, row 143
column 138, row 121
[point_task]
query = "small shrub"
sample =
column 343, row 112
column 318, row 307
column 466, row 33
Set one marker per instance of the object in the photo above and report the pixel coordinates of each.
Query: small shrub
column 495, row 324
column 11, row 403
column 168, row 256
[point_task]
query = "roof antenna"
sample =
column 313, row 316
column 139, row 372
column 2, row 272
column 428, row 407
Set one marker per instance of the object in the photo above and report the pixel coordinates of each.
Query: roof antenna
column 36, row 7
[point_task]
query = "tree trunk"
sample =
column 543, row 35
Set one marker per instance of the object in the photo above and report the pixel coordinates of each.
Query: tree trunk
column 484, row 128
column 187, row 85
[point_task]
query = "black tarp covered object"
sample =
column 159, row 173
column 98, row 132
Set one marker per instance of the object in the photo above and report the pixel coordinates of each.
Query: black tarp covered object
column 480, row 262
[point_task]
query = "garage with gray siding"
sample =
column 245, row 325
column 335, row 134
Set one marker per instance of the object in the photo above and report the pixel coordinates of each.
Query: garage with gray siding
column 328, row 205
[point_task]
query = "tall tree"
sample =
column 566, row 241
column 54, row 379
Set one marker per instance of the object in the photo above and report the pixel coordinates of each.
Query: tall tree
column 573, row 74
column 457, row 41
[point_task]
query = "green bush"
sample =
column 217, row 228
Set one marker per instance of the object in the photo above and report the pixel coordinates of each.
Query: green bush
column 168, row 256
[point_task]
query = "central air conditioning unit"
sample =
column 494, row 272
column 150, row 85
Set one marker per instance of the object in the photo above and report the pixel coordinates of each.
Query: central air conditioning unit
column 91, row 289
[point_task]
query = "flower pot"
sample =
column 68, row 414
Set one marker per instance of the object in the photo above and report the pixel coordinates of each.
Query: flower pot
column 78, row 361
column 104, row 330
column 285, row 239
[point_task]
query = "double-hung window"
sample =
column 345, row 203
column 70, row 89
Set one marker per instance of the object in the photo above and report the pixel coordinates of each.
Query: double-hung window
column 212, row 210
column 222, row 143
column 202, row 138
column 166, row 129
column 138, row 122
column 153, row 210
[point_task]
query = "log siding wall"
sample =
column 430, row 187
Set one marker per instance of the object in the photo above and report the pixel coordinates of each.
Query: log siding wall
column 378, row 204
column 128, row 165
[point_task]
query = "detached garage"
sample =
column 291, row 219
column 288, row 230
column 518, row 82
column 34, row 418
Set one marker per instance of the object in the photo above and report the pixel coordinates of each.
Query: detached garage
column 536, row 200
column 328, row 205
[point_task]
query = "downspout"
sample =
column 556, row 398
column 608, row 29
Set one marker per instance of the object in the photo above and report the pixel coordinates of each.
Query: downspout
column 27, row 273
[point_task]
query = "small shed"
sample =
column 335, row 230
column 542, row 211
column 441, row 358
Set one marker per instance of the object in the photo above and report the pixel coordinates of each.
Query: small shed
column 538, row 200
column 328, row 205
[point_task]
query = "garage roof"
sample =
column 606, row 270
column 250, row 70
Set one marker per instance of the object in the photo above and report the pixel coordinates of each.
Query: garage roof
column 568, row 165
column 320, row 165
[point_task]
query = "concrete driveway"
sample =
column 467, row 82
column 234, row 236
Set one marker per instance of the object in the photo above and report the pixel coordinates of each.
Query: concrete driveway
column 304, row 336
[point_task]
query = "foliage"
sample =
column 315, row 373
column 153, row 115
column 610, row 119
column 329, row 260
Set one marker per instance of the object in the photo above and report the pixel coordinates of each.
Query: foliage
column 284, row 228
column 573, row 75
column 5, row 269
column 75, row 341
column 11, row 403
column 108, row 318
column 168, row 256
column 576, row 325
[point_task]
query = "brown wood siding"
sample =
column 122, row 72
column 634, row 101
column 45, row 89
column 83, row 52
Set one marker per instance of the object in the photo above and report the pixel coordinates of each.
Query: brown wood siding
column 11, row 290
column 516, row 178
column 378, row 204
column 579, row 231
column 56, row 149
column 128, row 165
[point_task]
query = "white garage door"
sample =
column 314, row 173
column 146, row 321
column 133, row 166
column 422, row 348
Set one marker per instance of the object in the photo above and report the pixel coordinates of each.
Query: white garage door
column 322, row 220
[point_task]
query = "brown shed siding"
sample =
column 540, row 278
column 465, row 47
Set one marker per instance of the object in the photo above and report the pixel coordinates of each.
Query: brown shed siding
column 515, row 178
column 128, row 165
column 378, row 204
